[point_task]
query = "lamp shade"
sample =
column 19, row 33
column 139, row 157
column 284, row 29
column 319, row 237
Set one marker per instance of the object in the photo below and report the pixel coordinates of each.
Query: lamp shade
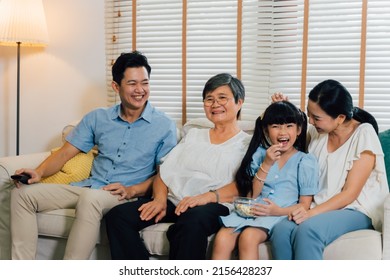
column 23, row 21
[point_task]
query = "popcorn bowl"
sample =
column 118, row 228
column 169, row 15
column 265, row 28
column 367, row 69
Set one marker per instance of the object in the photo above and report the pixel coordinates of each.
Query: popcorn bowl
column 243, row 206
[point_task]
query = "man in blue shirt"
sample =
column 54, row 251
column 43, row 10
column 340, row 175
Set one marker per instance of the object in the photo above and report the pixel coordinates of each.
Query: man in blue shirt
column 131, row 139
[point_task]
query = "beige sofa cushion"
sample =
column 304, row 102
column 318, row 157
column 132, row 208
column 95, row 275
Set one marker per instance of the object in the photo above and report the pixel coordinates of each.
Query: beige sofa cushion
column 356, row 245
column 57, row 223
column 155, row 239
column 156, row 242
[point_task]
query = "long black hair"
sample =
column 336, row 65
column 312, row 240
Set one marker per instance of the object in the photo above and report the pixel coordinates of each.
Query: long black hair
column 281, row 112
column 334, row 99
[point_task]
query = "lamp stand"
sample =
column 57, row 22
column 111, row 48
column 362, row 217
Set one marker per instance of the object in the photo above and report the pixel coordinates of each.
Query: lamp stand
column 18, row 99
column 22, row 22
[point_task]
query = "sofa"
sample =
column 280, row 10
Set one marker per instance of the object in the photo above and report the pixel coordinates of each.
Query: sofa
column 54, row 226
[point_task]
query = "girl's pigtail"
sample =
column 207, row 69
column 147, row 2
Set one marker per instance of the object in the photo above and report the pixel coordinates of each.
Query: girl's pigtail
column 301, row 140
column 244, row 177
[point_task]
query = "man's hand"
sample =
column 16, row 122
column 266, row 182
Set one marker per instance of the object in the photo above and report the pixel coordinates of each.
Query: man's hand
column 35, row 176
column 153, row 209
column 120, row 190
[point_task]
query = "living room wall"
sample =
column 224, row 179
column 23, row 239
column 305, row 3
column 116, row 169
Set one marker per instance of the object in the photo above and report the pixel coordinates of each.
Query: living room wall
column 58, row 83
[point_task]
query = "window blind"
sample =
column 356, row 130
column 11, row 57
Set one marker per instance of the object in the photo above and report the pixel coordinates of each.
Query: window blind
column 377, row 74
column 189, row 41
column 334, row 43
column 118, row 28
column 211, row 47
column 159, row 27
column 272, row 51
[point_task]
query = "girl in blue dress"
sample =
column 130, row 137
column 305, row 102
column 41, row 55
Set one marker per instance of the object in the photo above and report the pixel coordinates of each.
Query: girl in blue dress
column 278, row 173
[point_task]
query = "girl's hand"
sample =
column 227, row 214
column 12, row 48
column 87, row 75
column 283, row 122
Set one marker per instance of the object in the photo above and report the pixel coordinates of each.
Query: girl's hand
column 269, row 209
column 299, row 215
column 273, row 154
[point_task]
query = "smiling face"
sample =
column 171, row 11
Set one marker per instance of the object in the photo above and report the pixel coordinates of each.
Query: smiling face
column 283, row 134
column 220, row 112
column 134, row 88
column 320, row 120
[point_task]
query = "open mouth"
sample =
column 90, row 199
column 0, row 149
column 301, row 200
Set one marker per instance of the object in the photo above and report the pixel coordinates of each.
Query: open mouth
column 138, row 97
column 283, row 141
column 215, row 112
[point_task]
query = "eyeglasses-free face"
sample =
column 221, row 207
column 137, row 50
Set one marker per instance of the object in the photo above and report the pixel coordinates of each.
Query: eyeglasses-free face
column 221, row 100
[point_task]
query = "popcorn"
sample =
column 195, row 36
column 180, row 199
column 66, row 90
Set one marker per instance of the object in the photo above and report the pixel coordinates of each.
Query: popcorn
column 244, row 210
column 243, row 207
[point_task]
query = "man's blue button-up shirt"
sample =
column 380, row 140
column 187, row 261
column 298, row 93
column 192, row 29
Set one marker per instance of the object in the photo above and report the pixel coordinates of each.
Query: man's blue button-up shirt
column 128, row 153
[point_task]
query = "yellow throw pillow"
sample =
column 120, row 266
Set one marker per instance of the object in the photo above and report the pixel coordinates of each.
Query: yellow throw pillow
column 76, row 169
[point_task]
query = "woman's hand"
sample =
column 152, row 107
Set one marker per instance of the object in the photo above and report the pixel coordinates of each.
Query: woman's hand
column 278, row 96
column 299, row 215
column 153, row 209
column 268, row 209
column 192, row 201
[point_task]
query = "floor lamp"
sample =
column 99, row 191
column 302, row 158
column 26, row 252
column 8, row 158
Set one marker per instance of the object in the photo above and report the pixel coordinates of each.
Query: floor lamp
column 22, row 22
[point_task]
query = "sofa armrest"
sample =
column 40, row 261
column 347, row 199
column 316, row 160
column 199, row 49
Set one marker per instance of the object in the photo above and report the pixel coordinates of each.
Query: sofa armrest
column 8, row 165
column 386, row 229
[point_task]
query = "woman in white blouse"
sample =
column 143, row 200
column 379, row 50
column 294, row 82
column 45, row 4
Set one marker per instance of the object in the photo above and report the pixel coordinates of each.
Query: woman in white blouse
column 194, row 183
column 353, row 182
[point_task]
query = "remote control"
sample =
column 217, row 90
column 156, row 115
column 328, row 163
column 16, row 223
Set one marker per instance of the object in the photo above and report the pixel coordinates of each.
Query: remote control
column 22, row 178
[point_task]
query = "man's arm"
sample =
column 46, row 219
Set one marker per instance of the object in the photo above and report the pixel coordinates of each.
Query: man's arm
column 129, row 192
column 157, row 207
column 52, row 164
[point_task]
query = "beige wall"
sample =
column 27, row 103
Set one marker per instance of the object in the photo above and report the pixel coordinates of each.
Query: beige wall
column 59, row 83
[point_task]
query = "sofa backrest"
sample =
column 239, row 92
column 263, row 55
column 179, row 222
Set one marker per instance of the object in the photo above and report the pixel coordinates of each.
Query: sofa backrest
column 247, row 126
column 384, row 137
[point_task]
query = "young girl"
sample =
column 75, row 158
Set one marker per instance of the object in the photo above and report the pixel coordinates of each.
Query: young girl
column 278, row 173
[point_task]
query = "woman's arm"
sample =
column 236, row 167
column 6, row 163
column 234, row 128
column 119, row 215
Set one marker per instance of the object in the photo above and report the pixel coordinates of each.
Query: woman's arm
column 226, row 193
column 356, row 179
column 223, row 194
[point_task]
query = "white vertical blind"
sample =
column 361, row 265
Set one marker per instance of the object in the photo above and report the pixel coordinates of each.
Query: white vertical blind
column 118, row 27
column 334, row 43
column 271, row 53
column 377, row 83
column 211, row 46
column 159, row 28
column 256, row 56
